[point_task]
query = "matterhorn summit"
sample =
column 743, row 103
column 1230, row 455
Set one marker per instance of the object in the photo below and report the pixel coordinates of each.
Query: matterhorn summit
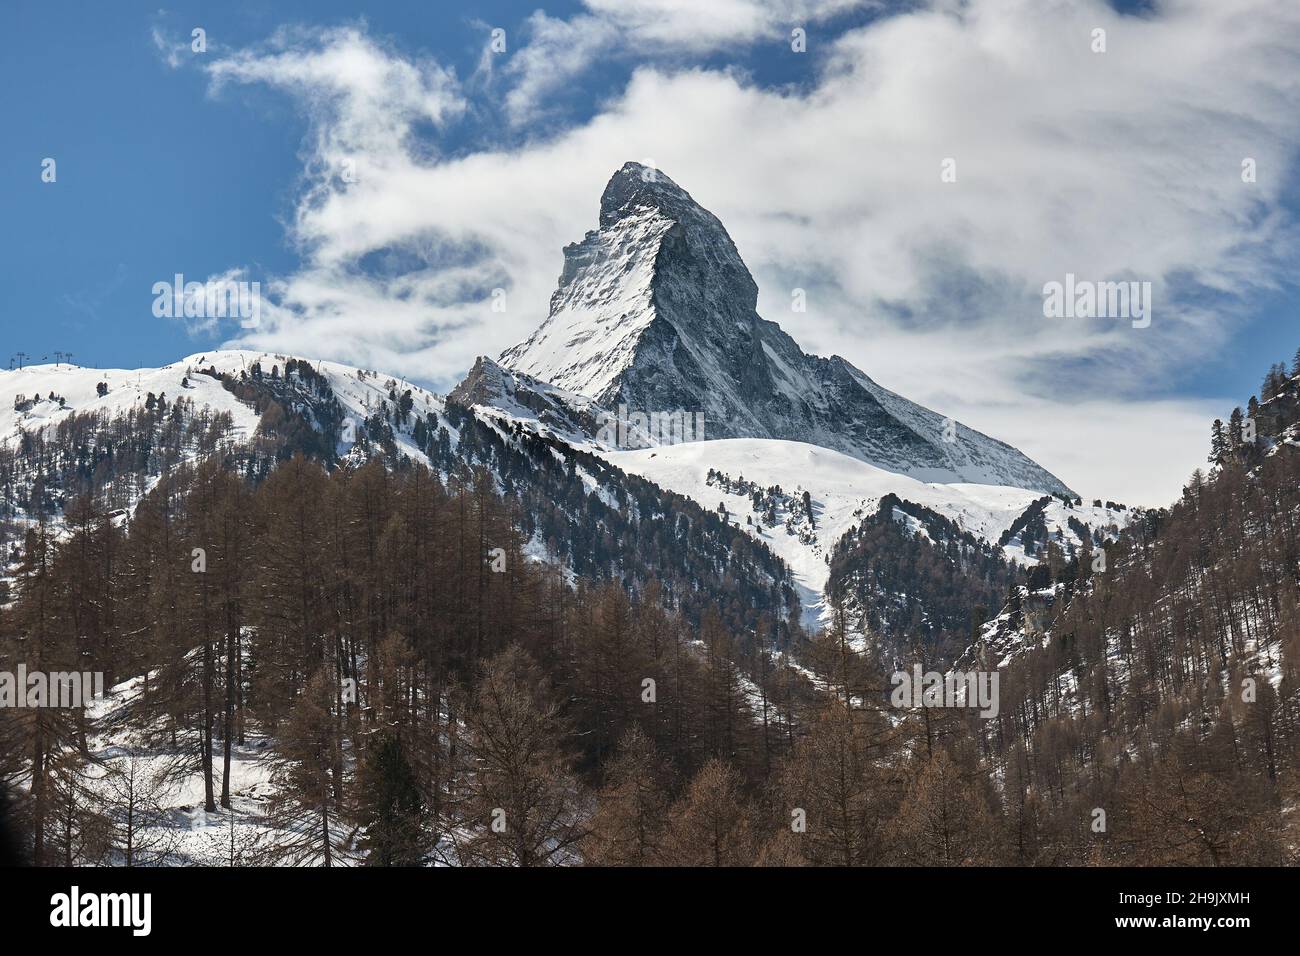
column 656, row 311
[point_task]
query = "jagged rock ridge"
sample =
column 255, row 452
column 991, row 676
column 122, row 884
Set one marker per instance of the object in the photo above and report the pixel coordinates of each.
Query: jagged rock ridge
column 655, row 310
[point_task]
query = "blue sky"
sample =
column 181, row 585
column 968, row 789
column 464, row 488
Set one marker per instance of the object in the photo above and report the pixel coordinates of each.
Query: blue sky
column 155, row 176
column 482, row 165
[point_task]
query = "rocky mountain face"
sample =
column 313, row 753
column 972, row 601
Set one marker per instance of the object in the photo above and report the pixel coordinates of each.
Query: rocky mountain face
column 656, row 311
column 513, row 395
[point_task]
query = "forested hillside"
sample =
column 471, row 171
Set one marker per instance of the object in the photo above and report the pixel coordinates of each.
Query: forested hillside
column 1159, row 676
column 915, row 578
column 387, row 632
column 598, row 521
column 519, row 655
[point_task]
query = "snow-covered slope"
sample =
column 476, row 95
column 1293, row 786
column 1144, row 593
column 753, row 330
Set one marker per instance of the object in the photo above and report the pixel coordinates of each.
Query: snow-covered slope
column 360, row 392
column 605, row 300
column 655, row 311
column 544, row 408
column 842, row 490
column 25, row 401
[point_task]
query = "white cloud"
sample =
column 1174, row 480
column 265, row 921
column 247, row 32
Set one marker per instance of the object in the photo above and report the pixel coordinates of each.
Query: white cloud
column 1139, row 452
column 172, row 52
column 701, row 27
column 557, row 52
column 560, row 50
column 364, row 100
column 1112, row 165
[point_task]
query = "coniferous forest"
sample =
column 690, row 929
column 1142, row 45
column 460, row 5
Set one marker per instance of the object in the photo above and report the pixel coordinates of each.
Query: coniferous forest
column 415, row 687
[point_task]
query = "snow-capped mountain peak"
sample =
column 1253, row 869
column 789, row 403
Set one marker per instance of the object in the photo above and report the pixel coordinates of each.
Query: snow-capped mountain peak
column 656, row 311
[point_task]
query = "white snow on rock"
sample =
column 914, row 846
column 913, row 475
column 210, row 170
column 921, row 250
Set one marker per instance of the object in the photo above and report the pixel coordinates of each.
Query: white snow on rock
column 127, row 389
column 359, row 391
column 843, row 490
column 656, row 311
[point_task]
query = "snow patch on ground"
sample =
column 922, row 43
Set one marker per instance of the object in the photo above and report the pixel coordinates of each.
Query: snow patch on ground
column 843, row 490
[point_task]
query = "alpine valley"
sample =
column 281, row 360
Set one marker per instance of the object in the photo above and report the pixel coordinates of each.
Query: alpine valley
column 318, row 591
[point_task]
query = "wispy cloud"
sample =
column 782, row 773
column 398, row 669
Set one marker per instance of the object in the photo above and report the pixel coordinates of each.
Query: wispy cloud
column 1122, row 164
column 171, row 50
column 560, row 50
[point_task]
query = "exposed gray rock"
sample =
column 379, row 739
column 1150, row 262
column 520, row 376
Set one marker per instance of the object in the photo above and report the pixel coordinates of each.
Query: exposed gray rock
column 656, row 311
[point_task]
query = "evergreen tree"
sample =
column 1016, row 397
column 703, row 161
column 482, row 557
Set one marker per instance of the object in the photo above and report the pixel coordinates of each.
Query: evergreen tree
column 392, row 809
